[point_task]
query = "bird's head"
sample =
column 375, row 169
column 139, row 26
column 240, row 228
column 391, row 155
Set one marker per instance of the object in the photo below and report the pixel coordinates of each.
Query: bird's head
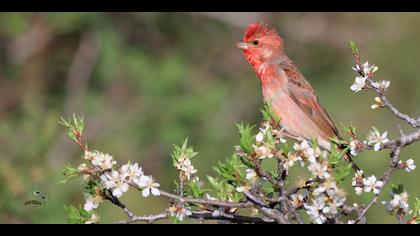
column 261, row 44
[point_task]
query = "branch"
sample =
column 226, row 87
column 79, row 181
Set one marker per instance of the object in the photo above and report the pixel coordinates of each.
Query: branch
column 404, row 140
column 199, row 216
column 261, row 173
column 207, row 202
column 386, row 103
column 395, row 154
column 149, row 218
column 264, row 208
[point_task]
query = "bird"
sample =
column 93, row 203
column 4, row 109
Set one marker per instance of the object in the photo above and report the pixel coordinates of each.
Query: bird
column 291, row 96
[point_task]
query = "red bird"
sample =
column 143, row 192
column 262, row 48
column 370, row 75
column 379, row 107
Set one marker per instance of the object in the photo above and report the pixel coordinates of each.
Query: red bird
column 292, row 97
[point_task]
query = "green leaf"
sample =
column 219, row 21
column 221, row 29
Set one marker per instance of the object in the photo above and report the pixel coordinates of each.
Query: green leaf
column 74, row 125
column 336, row 154
column 247, row 162
column 182, row 152
column 213, row 182
column 268, row 113
column 416, row 206
column 77, row 216
column 338, row 141
column 270, row 141
column 246, row 137
column 269, row 189
column 91, row 186
column 69, row 174
column 354, row 48
column 342, row 171
column 232, row 169
column 397, row 189
column 196, row 189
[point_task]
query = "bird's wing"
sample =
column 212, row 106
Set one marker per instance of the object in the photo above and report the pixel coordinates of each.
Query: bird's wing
column 304, row 96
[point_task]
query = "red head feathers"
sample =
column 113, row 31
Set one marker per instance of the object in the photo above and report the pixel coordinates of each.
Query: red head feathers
column 261, row 44
column 260, row 30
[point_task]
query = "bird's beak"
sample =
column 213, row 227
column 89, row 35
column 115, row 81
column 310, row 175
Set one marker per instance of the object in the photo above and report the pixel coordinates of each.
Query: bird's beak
column 242, row 45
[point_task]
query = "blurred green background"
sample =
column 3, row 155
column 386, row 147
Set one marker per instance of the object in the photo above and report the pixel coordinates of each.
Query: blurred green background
column 145, row 81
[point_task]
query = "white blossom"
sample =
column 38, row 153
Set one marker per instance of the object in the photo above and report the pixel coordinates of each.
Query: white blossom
column 243, row 189
column 383, row 85
column 94, row 219
column 371, row 184
column 377, row 139
column 357, row 179
column 399, row 202
column 263, row 152
column 216, row 213
column 115, row 182
column 179, row 211
column 319, row 170
column 354, row 147
column 101, row 160
column 209, row 197
column 409, row 165
column 358, row 190
column 120, row 188
column 131, row 173
column 259, row 137
column 332, row 207
column 148, row 186
column 297, row 200
column 308, row 152
column 251, row 175
column 302, row 146
column 356, row 68
column 367, row 68
column 279, row 135
column 314, row 210
column 329, row 187
column 185, row 165
column 109, row 179
column 312, row 154
column 92, row 202
column 359, row 84
column 291, row 159
column 82, row 167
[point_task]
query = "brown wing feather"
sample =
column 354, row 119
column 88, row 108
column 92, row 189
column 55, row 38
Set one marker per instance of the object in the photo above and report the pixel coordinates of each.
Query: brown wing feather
column 304, row 96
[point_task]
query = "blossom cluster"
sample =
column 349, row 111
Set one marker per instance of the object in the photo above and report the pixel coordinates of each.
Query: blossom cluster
column 325, row 201
column 398, row 204
column 369, row 184
column 115, row 180
column 185, row 166
column 262, row 149
column 366, row 71
column 407, row 165
column 179, row 211
column 306, row 152
column 375, row 139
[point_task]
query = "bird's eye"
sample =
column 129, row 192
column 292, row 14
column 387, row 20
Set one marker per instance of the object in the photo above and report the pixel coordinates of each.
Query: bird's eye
column 255, row 42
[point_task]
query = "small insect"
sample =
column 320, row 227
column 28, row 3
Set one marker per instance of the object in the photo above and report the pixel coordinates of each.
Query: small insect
column 39, row 202
column 34, row 203
column 42, row 195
